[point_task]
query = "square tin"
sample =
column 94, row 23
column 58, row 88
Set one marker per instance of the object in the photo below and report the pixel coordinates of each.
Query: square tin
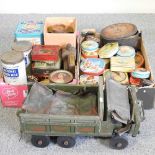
column 30, row 31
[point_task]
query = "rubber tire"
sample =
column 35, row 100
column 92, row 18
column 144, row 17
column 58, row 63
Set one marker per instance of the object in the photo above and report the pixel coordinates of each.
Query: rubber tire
column 116, row 140
column 45, row 141
column 62, row 139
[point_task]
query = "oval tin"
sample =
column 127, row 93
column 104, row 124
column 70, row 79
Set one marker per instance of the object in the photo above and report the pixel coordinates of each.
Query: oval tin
column 118, row 31
column 92, row 66
column 61, row 76
column 108, row 50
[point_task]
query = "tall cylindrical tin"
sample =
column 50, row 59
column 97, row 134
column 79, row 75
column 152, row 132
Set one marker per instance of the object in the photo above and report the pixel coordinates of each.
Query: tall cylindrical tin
column 13, row 66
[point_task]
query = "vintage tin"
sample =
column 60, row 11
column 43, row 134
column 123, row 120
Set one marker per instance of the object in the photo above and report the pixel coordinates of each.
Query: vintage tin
column 123, row 33
column 92, row 66
column 139, row 60
column 122, row 64
column 30, row 31
column 61, row 76
column 45, row 53
column 141, row 73
column 25, row 47
column 89, row 46
column 108, row 50
column 89, row 79
column 135, row 81
column 120, row 77
column 13, row 65
column 126, row 51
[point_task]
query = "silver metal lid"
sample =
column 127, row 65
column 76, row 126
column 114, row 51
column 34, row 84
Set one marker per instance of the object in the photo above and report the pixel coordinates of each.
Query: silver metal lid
column 21, row 46
column 12, row 57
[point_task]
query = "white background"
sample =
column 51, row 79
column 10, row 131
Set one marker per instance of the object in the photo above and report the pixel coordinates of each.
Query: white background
column 77, row 6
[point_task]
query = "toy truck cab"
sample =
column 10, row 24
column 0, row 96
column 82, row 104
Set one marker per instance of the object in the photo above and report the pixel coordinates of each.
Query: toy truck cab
column 65, row 128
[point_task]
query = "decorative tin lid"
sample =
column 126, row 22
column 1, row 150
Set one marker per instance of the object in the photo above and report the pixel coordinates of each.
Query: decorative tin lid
column 61, row 76
column 89, row 45
column 45, row 52
column 29, row 29
column 87, row 54
column 21, row 46
column 141, row 73
column 126, row 51
column 89, row 79
column 118, row 31
column 12, row 57
column 117, row 76
column 139, row 60
column 92, row 66
column 108, row 50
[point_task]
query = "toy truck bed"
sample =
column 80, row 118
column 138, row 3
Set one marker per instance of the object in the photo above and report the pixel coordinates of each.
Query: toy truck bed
column 67, row 127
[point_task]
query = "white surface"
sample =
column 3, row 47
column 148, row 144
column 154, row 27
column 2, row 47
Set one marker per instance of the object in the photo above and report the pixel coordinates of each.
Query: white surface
column 77, row 6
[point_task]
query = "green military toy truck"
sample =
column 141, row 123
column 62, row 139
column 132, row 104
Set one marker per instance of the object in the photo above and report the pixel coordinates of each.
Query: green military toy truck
column 104, row 122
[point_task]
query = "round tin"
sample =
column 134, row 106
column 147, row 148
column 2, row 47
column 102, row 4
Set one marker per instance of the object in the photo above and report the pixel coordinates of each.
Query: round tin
column 139, row 60
column 141, row 73
column 61, row 76
column 135, row 81
column 14, row 68
column 87, row 54
column 120, row 77
column 89, row 79
column 92, row 66
column 126, row 51
column 89, row 45
column 118, row 31
column 25, row 47
column 108, row 50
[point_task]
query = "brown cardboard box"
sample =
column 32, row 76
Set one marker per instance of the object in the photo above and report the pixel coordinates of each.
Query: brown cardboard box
column 60, row 38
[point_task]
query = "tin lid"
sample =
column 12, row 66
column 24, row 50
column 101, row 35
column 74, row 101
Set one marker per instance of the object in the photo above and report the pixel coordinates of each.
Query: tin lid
column 61, row 76
column 141, row 73
column 108, row 50
column 126, row 51
column 89, row 45
column 92, row 66
column 118, row 31
column 12, row 57
column 21, row 46
column 29, row 29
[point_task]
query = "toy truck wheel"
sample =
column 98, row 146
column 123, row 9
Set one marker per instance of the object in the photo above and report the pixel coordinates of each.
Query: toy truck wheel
column 66, row 142
column 40, row 141
column 118, row 142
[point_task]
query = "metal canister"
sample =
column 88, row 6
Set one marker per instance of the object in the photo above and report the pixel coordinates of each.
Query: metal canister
column 123, row 33
column 13, row 66
column 25, row 47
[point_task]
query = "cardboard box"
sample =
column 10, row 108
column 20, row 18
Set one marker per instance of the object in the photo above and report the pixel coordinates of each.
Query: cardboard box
column 12, row 95
column 60, row 39
column 145, row 94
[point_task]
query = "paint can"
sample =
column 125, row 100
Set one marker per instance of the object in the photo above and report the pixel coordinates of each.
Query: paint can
column 13, row 66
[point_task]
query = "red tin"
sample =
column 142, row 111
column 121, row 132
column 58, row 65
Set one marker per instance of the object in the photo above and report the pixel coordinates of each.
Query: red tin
column 45, row 53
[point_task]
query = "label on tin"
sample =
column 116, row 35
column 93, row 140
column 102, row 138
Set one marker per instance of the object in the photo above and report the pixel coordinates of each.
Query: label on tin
column 10, row 72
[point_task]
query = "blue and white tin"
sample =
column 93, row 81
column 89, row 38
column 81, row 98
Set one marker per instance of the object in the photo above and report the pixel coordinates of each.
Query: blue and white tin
column 126, row 51
column 30, row 31
column 141, row 73
column 89, row 45
column 13, row 66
